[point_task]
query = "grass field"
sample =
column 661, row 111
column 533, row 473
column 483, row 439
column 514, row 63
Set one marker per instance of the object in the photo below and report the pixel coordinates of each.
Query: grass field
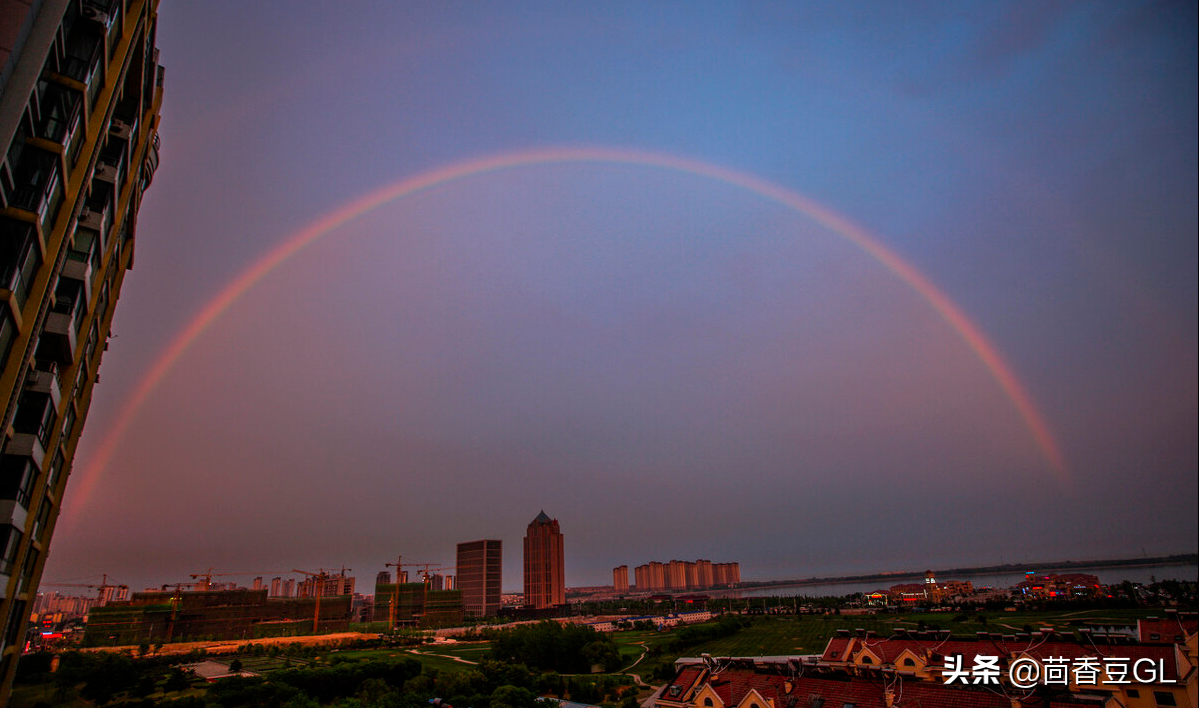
column 809, row 634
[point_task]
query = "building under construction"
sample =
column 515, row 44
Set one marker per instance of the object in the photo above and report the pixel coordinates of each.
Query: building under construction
column 417, row 605
column 167, row 616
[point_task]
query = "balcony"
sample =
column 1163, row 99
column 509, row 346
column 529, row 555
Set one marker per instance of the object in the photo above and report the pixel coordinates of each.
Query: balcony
column 58, row 340
column 81, row 271
column 18, row 474
column 151, row 162
column 104, row 14
column 61, row 113
column 44, row 383
column 84, row 59
column 38, row 184
column 121, row 129
column 97, row 215
column 26, row 445
column 20, row 258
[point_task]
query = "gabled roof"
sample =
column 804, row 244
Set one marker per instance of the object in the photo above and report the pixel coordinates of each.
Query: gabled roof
column 679, row 690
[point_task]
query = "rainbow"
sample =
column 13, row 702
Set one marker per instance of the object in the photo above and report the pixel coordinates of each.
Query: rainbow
column 906, row 272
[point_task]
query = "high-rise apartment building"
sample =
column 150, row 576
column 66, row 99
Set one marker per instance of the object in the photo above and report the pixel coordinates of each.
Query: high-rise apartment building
column 327, row 586
column 685, row 575
column 620, row 578
column 480, row 575
column 545, row 577
column 80, row 92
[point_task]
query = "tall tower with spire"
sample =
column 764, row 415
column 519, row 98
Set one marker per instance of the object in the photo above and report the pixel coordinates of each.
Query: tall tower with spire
column 545, row 579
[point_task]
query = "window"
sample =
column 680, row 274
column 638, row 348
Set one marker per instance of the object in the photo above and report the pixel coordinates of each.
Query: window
column 38, row 187
column 85, row 247
column 55, row 470
column 708, row 702
column 42, row 520
column 908, row 662
column 68, row 422
column 867, row 660
column 8, row 332
column 89, row 347
column 69, row 300
column 1164, row 698
column 27, row 569
column 19, row 258
column 10, row 541
column 17, row 475
column 18, row 622
column 36, row 416
column 1134, row 693
column 60, row 112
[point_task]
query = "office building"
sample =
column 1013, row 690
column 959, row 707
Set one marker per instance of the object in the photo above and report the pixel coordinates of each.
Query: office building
column 545, row 578
column 480, row 574
column 80, row 92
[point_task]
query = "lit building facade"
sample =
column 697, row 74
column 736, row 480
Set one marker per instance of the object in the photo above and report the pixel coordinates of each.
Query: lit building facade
column 685, row 575
column 480, row 576
column 328, row 586
column 80, row 93
column 545, row 577
column 620, row 578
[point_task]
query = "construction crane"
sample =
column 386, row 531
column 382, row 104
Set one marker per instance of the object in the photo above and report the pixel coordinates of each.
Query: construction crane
column 176, row 602
column 104, row 585
column 426, row 577
column 428, row 568
column 391, row 603
column 209, row 575
column 320, row 577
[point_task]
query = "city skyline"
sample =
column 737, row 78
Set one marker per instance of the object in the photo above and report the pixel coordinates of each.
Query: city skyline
column 623, row 339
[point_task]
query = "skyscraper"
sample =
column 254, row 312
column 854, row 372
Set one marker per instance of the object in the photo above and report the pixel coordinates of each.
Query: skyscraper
column 80, row 92
column 545, row 579
column 480, row 575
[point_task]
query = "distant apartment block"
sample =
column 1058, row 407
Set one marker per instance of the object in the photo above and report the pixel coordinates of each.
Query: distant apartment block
column 80, row 92
column 329, row 586
column 480, row 576
column 545, row 578
column 685, row 575
column 620, row 578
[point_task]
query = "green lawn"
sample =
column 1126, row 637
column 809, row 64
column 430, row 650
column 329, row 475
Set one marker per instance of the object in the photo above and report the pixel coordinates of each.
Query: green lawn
column 809, row 634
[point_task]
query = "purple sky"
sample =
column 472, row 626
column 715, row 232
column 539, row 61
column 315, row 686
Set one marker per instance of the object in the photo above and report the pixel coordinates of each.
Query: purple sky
column 670, row 365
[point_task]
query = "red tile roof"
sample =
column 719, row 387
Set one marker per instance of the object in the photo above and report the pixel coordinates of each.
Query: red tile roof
column 835, row 651
column 935, row 651
column 837, row 690
column 1168, row 629
column 686, row 679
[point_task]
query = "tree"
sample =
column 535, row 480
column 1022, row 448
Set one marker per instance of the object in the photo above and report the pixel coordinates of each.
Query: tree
column 235, row 666
column 177, row 680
